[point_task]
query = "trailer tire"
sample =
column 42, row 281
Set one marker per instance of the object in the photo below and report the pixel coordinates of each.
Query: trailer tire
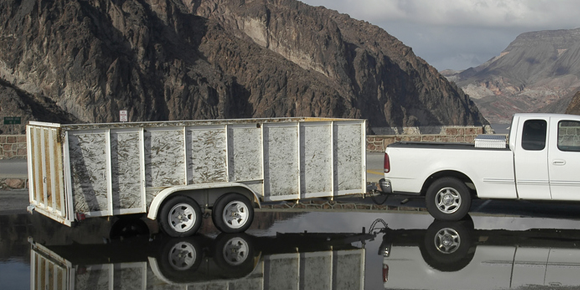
column 180, row 217
column 233, row 213
column 448, row 199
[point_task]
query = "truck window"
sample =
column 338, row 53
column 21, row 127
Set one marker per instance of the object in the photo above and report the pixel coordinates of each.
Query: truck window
column 569, row 135
column 534, row 135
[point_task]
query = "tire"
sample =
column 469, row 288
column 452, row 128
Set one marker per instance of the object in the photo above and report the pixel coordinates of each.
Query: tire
column 180, row 217
column 233, row 213
column 448, row 199
column 179, row 259
column 234, row 254
column 447, row 246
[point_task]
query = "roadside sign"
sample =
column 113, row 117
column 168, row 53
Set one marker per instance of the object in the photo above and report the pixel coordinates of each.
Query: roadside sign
column 11, row 120
column 123, row 115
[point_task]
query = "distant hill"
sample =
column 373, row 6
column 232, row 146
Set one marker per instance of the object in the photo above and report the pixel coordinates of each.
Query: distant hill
column 184, row 59
column 538, row 71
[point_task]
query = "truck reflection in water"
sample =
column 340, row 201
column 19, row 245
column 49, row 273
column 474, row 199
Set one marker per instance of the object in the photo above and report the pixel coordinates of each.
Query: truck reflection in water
column 228, row 261
column 452, row 255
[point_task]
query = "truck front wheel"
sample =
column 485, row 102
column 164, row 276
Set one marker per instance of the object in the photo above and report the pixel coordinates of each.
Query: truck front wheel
column 233, row 213
column 180, row 217
column 448, row 199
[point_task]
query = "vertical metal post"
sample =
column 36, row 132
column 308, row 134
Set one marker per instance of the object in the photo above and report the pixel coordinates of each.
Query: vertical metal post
column 109, row 171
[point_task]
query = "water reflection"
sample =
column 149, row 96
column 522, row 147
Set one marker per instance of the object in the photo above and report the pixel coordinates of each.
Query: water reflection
column 228, row 261
column 295, row 251
column 453, row 255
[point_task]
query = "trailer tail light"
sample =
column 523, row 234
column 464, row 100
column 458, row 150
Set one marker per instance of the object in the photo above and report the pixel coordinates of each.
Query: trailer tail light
column 80, row 216
column 387, row 163
column 385, row 273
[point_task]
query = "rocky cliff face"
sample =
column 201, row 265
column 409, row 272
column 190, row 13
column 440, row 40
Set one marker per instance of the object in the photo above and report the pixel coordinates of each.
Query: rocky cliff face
column 534, row 71
column 193, row 59
column 574, row 106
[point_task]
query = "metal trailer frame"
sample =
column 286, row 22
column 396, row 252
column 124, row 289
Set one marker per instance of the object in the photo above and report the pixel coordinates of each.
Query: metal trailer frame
column 93, row 170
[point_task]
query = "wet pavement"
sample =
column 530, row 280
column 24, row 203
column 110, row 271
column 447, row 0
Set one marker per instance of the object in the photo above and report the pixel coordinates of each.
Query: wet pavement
column 301, row 250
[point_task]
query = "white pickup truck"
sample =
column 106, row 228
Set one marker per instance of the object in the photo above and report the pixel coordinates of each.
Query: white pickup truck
column 540, row 161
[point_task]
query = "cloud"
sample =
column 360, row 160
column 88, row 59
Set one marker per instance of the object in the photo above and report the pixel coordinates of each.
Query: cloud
column 481, row 13
column 458, row 34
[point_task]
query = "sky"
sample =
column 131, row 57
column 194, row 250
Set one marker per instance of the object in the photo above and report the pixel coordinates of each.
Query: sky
column 459, row 34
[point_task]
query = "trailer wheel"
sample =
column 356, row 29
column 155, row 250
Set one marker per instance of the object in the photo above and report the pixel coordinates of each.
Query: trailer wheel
column 180, row 217
column 448, row 199
column 233, row 213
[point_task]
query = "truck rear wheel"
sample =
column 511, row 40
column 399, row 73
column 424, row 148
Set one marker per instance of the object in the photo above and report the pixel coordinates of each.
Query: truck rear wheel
column 233, row 213
column 180, row 217
column 448, row 199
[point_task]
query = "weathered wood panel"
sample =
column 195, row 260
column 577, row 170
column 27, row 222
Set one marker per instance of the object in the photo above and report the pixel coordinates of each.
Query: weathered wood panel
column 206, row 149
column 126, row 170
column 245, row 152
column 348, row 158
column 88, row 163
column 281, row 163
column 164, row 158
column 316, row 159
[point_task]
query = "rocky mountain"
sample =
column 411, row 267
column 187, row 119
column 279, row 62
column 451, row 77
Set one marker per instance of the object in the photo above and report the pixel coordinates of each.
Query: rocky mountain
column 535, row 70
column 84, row 60
column 574, row 106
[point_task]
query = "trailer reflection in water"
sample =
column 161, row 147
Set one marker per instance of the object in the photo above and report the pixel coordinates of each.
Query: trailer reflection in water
column 228, row 261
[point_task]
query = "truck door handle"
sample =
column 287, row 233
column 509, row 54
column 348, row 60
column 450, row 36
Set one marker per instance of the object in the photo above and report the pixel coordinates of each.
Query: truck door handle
column 559, row 162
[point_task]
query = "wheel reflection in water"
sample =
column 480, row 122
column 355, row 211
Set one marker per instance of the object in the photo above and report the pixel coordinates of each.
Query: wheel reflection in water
column 447, row 241
column 236, row 251
column 182, row 256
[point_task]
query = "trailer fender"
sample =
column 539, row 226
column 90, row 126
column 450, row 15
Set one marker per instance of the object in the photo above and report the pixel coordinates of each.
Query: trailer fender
column 164, row 194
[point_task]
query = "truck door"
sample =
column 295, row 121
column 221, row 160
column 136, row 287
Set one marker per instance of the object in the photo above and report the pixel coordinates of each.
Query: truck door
column 531, row 158
column 564, row 159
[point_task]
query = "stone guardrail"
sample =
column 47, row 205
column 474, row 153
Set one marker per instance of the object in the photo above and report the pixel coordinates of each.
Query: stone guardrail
column 452, row 134
column 14, row 146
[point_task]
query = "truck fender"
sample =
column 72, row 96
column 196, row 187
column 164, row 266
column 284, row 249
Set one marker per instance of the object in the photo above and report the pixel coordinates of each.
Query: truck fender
column 164, row 194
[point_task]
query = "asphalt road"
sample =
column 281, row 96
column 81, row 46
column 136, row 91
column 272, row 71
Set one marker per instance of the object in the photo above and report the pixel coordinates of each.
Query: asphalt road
column 13, row 168
column 375, row 163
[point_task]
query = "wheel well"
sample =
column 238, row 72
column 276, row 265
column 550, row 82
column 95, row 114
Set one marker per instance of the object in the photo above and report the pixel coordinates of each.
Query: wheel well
column 449, row 173
column 206, row 198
